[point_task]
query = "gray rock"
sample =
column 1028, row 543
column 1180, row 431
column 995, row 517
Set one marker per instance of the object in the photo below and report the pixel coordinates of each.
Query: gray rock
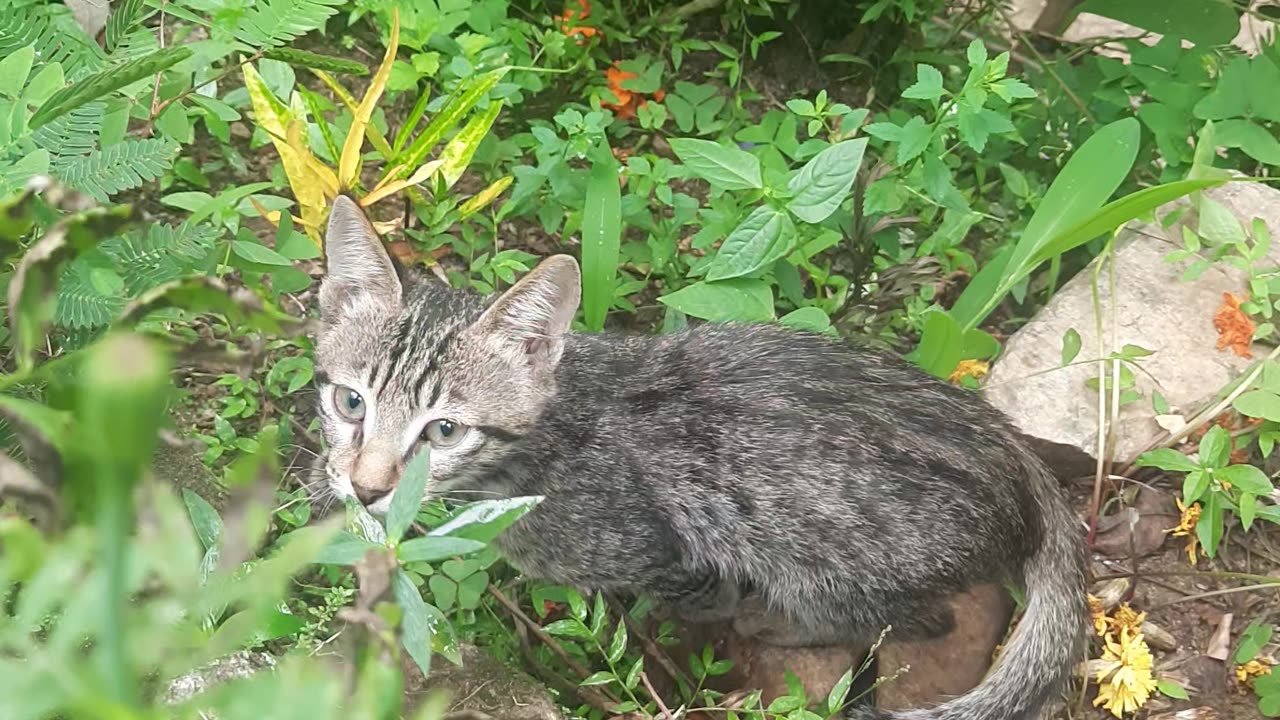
column 233, row 667
column 1156, row 310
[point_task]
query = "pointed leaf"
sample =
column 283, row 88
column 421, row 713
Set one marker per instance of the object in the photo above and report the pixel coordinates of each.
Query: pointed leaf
column 824, row 182
column 726, row 168
column 408, row 496
column 349, row 163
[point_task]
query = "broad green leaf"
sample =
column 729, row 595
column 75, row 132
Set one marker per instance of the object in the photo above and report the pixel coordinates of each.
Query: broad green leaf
column 14, row 70
column 1194, row 485
column 261, row 254
column 345, row 548
column 408, row 496
column 1252, row 640
column 1248, row 509
column 824, row 182
column 1235, row 94
column 915, row 139
column 457, row 154
column 103, row 83
column 1258, row 404
column 941, row 344
column 1070, row 345
column 434, row 547
column 601, row 238
column 1169, row 688
column 598, row 678
column 618, row 645
column 1256, row 141
column 763, row 237
column 204, row 518
column 1217, row 225
column 417, row 627
column 568, row 627
column 1215, row 447
column 811, row 319
column 835, row 699
column 726, row 168
column 1245, row 478
column 50, row 423
column 483, row 520
column 1206, row 24
column 736, row 300
column 928, row 84
column 1166, row 459
column 1209, row 527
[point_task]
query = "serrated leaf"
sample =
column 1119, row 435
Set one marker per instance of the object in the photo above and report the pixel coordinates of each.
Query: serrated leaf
column 726, row 168
column 914, row 139
column 103, row 83
column 928, row 85
column 825, row 181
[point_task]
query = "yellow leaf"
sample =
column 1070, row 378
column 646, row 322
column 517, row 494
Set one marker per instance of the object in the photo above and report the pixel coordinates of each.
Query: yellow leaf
column 385, row 226
column 271, row 216
column 458, row 153
column 384, row 188
column 478, row 201
column 349, row 163
column 285, row 131
column 371, row 131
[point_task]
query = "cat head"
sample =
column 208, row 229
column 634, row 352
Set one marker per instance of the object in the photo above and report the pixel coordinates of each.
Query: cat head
column 403, row 362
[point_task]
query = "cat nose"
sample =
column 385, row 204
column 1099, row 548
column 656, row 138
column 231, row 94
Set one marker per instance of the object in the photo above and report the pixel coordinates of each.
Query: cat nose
column 368, row 496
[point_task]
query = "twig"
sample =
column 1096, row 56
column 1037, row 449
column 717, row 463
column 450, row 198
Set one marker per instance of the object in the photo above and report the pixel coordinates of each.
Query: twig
column 566, row 689
column 155, row 92
column 155, row 111
column 650, row 647
column 537, row 630
column 1213, row 593
column 666, row 712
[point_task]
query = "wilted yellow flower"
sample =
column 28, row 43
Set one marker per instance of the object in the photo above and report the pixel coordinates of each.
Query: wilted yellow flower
column 1187, row 528
column 1254, row 668
column 1127, row 618
column 1098, row 613
column 976, row 369
column 1125, row 681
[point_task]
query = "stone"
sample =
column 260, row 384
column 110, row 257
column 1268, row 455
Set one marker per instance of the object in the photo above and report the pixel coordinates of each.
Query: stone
column 1157, row 310
column 945, row 667
column 1138, row 529
column 233, row 667
column 483, row 687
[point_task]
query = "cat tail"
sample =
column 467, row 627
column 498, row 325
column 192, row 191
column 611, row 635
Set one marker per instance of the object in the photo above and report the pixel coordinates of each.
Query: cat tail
column 1049, row 639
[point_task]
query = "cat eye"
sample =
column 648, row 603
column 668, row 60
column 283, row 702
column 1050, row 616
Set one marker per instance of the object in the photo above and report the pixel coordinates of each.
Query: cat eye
column 349, row 403
column 444, row 433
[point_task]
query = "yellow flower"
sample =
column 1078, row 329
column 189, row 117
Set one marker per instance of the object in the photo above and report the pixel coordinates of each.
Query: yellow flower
column 1098, row 613
column 1128, row 618
column 976, row 369
column 1247, row 672
column 1187, row 528
column 1125, row 679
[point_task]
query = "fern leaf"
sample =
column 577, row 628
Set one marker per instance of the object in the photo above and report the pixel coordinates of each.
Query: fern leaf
column 107, row 81
column 124, row 17
column 80, row 305
column 123, row 166
column 275, row 22
column 160, row 254
column 75, row 133
column 56, row 36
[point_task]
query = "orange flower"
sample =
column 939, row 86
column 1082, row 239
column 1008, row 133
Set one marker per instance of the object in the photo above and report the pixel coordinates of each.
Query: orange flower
column 577, row 31
column 628, row 101
column 1235, row 329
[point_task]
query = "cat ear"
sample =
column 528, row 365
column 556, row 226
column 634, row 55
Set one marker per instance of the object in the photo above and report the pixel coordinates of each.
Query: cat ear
column 358, row 269
column 527, row 323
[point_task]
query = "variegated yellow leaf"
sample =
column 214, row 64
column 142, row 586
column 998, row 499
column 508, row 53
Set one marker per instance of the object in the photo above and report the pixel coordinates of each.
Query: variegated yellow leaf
column 371, row 131
column 458, row 153
column 279, row 122
column 480, row 200
column 387, row 188
column 349, row 163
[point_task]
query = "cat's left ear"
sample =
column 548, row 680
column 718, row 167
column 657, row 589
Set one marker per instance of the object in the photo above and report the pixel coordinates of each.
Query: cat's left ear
column 527, row 324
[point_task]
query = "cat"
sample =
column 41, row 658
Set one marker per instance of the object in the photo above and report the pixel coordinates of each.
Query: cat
column 730, row 472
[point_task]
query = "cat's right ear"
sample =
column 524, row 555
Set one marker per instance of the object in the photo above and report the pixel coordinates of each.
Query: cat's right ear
column 358, row 270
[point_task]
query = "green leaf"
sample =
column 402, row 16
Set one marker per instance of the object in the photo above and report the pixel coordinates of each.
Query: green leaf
column 1258, row 404
column 270, row 23
column 736, row 300
column 602, row 677
column 1215, row 447
column 345, row 548
column 1235, row 93
column 726, row 168
column 915, row 139
column 1248, row 509
column 1168, row 688
column 1166, row 459
column 835, row 699
column 928, row 85
column 457, row 153
column 123, row 166
column 483, row 520
column 1217, row 225
column 618, row 645
column 124, row 16
column 941, row 344
column 103, row 83
column 810, row 319
column 1256, row 141
column 204, row 519
column 763, row 237
column 260, row 254
column 1209, row 527
column 976, row 53
column 433, row 548
column 418, row 626
column 1194, row 485
column 1252, row 640
column 464, row 98
column 824, row 182
column 1245, row 478
column 408, row 496
column 1070, row 345
column 601, row 238
column 568, row 627
column 328, row 63
column 1204, row 23
column 14, row 70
